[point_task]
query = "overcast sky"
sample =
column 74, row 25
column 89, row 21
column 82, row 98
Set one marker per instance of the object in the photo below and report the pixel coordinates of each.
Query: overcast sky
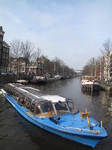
column 72, row 30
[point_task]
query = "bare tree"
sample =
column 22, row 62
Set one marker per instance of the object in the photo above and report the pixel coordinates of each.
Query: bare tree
column 15, row 52
column 36, row 54
column 89, row 68
column 107, row 47
column 57, row 62
column 27, row 49
column 86, row 70
column 15, row 49
column 92, row 65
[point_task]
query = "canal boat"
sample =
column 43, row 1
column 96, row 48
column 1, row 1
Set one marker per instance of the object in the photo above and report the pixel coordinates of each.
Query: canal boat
column 89, row 83
column 22, row 81
column 37, row 79
column 55, row 114
column 41, row 79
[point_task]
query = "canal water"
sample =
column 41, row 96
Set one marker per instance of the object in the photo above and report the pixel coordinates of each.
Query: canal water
column 16, row 133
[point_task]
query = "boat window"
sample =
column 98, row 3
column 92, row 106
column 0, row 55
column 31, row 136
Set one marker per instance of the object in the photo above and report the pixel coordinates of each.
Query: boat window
column 46, row 107
column 32, row 107
column 61, row 107
column 16, row 94
column 38, row 111
column 90, row 78
column 27, row 102
column 93, row 78
column 22, row 99
column 83, row 78
column 70, row 105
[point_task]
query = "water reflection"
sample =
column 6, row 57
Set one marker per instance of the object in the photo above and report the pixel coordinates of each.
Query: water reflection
column 106, row 100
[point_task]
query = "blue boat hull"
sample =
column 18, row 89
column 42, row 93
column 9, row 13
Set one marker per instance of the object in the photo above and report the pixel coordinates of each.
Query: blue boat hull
column 50, row 126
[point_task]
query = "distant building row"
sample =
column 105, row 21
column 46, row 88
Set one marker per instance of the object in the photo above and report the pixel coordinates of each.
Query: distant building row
column 15, row 65
column 41, row 66
column 102, row 69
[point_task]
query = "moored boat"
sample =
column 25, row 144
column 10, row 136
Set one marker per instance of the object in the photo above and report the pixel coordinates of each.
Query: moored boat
column 89, row 83
column 55, row 114
column 57, row 77
column 37, row 79
column 41, row 79
column 22, row 81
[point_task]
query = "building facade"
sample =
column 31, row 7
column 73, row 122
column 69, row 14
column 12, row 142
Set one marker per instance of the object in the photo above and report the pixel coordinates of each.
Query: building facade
column 4, row 52
column 20, row 65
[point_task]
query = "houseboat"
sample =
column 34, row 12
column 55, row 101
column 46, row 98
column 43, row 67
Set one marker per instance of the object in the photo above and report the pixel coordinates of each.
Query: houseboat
column 55, row 114
column 90, row 83
column 42, row 79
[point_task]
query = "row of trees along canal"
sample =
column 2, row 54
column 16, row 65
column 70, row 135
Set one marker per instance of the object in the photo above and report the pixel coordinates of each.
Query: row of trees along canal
column 92, row 65
column 27, row 50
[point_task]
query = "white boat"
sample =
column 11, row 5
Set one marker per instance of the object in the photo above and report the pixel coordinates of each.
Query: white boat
column 89, row 82
column 37, row 79
column 57, row 77
column 21, row 81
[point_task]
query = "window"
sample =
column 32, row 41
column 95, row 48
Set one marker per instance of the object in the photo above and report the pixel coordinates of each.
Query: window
column 46, row 107
column 70, row 105
column 7, row 50
column 61, row 107
column 32, row 107
column 4, row 49
column 3, row 62
column 0, row 45
column 1, row 38
column 3, row 55
column 7, row 56
column 6, row 62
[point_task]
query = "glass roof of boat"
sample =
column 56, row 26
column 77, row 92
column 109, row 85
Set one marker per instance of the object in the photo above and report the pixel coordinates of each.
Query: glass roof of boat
column 38, row 94
column 34, row 91
column 31, row 93
column 43, row 95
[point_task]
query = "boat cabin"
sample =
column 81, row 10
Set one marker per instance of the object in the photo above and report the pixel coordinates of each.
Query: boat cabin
column 44, row 105
column 88, row 78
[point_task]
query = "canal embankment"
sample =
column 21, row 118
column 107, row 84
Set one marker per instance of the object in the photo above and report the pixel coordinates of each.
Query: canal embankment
column 107, row 86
